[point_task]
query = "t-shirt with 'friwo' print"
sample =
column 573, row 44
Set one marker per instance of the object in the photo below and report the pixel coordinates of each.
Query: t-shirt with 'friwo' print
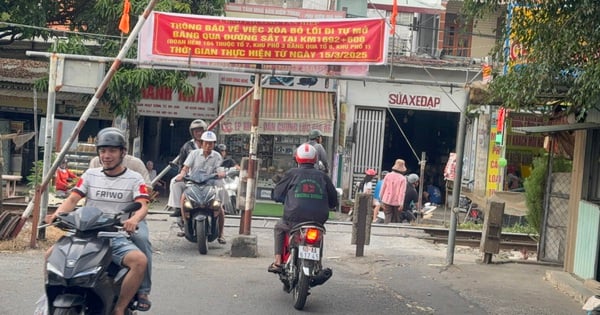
column 111, row 194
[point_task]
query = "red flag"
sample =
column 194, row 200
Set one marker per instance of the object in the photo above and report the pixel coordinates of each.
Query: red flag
column 124, row 23
column 393, row 17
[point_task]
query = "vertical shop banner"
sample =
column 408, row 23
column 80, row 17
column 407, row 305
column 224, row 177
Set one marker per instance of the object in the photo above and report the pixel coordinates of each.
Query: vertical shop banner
column 186, row 38
column 515, row 52
column 493, row 171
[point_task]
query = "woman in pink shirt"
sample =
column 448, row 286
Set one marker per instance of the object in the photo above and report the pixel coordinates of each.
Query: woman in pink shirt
column 393, row 191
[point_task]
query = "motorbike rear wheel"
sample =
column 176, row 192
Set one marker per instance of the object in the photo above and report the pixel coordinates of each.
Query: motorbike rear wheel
column 201, row 237
column 67, row 311
column 300, row 291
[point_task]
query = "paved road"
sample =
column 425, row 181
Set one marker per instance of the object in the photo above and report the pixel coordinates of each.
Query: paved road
column 399, row 274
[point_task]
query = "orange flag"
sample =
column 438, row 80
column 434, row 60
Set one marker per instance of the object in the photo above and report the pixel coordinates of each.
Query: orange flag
column 124, row 23
column 393, row 17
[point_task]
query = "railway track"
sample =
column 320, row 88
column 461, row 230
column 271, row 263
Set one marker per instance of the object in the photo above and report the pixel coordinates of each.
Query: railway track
column 508, row 241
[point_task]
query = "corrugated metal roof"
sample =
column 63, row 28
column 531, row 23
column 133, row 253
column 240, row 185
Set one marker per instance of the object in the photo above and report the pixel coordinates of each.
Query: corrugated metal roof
column 549, row 129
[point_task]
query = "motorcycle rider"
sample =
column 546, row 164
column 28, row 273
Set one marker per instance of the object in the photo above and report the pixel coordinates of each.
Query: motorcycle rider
column 98, row 186
column 228, row 161
column 315, row 138
column 207, row 160
column 308, row 193
column 197, row 128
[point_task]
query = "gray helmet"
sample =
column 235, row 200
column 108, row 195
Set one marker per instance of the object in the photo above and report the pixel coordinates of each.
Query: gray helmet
column 314, row 134
column 197, row 123
column 222, row 147
column 111, row 137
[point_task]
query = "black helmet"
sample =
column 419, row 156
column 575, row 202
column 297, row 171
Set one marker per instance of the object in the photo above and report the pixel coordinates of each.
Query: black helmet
column 314, row 134
column 197, row 123
column 111, row 137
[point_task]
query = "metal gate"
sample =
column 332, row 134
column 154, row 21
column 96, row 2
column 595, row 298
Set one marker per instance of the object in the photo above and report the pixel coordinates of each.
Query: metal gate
column 368, row 133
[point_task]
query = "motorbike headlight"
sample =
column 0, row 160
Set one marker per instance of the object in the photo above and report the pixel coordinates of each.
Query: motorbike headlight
column 187, row 205
column 216, row 204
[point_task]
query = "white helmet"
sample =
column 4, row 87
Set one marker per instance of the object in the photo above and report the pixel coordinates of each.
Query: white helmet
column 197, row 124
column 306, row 153
column 209, row 136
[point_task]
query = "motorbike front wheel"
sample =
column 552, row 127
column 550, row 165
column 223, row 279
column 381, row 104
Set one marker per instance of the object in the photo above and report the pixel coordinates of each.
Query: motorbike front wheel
column 201, row 237
column 300, row 292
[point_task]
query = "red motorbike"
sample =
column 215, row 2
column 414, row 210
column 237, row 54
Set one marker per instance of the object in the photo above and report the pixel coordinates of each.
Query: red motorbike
column 302, row 254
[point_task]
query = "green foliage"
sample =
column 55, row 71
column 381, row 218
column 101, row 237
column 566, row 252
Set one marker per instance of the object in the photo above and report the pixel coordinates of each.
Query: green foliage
column 562, row 43
column 97, row 25
column 535, row 187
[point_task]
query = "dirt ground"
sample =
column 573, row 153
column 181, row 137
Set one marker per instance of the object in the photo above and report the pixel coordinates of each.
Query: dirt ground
column 22, row 241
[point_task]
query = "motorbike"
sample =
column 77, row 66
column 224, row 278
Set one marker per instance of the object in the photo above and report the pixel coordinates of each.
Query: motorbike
column 470, row 209
column 302, row 254
column 203, row 198
column 81, row 277
column 232, row 182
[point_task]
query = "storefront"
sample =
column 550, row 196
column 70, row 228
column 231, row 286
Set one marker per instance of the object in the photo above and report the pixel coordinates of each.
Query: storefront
column 400, row 121
column 287, row 114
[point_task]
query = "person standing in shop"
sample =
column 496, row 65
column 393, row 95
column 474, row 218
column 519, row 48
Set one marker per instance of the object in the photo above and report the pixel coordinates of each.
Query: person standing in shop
column 393, row 192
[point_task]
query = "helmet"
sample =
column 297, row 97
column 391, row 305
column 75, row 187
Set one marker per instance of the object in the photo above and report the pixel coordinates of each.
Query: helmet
column 222, row 147
column 111, row 137
column 412, row 178
column 196, row 124
column 209, row 136
column 306, row 153
column 371, row 172
column 314, row 134
column 384, row 173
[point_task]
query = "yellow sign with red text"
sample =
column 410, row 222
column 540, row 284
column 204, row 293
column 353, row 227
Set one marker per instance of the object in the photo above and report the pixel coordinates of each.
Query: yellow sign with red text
column 493, row 170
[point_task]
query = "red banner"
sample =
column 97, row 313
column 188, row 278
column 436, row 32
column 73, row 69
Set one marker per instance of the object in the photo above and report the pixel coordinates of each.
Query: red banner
column 335, row 42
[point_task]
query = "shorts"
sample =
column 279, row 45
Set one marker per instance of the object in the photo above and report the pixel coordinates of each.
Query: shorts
column 120, row 247
column 376, row 203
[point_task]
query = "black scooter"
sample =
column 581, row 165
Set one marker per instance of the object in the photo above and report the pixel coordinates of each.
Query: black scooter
column 80, row 275
column 203, row 197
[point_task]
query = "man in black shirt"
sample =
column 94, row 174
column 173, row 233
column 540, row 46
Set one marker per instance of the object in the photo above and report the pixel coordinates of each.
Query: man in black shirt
column 308, row 193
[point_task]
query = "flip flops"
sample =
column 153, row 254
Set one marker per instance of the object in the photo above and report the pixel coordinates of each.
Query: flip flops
column 275, row 268
column 221, row 240
column 143, row 304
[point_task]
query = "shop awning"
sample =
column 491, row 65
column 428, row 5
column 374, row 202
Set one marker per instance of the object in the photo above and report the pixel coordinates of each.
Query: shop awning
column 285, row 112
column 550, row 129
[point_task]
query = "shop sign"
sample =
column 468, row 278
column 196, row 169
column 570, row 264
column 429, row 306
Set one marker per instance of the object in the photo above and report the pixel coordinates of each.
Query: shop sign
column 186, row 38
column 162, row 101
column 412, row 101
column 493, row 171
column 276, row 127
column 407, row 96
column 281, row 82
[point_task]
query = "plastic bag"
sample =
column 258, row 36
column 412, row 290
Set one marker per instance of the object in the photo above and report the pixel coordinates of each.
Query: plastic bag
column 41, row 306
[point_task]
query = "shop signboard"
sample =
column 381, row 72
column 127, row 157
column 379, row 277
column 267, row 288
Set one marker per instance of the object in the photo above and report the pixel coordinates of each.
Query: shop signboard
column 307, row 83
column 162, row 101
column 407, row 96
column 493, row 171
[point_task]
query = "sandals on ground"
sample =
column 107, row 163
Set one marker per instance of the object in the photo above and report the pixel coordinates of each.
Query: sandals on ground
column 221, row 240
column 275, row 268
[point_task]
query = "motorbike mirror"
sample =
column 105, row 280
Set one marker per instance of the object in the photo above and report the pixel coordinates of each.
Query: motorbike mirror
column 132, row 207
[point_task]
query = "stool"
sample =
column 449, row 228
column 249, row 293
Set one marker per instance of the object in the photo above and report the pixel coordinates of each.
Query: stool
column 11, row 184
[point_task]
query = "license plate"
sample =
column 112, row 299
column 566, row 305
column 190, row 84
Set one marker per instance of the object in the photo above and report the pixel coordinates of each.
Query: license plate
column 309, row 252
